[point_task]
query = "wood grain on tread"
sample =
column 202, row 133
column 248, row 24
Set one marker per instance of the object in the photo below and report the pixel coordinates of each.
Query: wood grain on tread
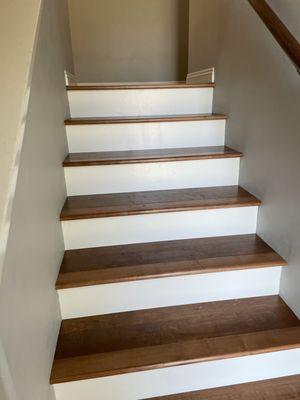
column 142, row 86
column 158, row 201
column 149, row 156
column 112, row 344
column 101, row 265
column 287, row 388
column 144, row 119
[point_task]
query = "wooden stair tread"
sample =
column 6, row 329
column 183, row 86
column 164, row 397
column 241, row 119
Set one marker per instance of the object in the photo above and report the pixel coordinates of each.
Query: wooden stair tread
column 123, row 263
column 112, row 344
column 179, row 85
column 153, row 155
column 286, row 388
column 158, row 201
column 140, row 119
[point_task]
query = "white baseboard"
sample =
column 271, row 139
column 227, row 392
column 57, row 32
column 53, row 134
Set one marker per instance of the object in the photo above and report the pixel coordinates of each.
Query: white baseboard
column 203, row 76
column 70, row 78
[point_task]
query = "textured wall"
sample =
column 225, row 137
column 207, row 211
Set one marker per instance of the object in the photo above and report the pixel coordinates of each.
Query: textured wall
column 129, row 40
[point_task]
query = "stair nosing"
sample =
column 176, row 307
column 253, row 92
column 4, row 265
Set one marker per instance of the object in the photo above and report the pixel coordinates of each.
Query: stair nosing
column 231, row 153
column 141, row 86
column 96, row 266
column 144, row 119
column 253, row 203
column 92, row 213
column 241, row 341
column 192, row 271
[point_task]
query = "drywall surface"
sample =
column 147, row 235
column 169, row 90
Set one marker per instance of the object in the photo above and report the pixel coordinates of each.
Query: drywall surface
column 129, row 40
column 259, row 88
column 205, row 18
column 15, row 71
column 289, row 12
column 29, row 308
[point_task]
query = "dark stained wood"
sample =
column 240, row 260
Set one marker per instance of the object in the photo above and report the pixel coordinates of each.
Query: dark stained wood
column 158, row 201
column 112, row 344
column 123, row 263
column 287, row 388
column 283, row 36
column 144, row 119
column 173, row 354
column 179, row 85
column 149, row 156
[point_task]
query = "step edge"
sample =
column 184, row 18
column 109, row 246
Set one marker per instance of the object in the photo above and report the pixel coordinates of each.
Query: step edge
column 140, row 86
column 251, row 203
column 145, row 160
column 271, row 347
column 144, row 119
column 280, row 262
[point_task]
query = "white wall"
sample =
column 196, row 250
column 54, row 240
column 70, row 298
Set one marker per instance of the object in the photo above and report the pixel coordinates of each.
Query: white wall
column 259, row 88
column 29, row 308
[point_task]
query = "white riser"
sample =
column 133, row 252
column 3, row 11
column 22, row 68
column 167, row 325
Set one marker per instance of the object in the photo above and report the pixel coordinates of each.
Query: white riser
column 156, row 227
column 111, row 103
column 141, row 385
column 151, row 176
column 139, row 295
column 139, row 136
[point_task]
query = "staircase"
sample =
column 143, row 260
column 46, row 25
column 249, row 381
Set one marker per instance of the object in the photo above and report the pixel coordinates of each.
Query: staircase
column 165, row 288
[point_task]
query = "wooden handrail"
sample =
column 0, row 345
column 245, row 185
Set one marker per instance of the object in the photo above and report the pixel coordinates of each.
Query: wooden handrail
column 281, row 33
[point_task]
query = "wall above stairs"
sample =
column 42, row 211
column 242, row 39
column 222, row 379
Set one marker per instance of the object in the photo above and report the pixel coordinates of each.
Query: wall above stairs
column 129, row 40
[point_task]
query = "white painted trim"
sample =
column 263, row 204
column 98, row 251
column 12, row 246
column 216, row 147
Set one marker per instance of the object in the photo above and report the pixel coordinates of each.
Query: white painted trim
column 151, row 176
column 135, row 102
column 142, row 136
column 185, row 378
column 166, row 292
column 203, row 76
column 70, row 78
column 143, row 228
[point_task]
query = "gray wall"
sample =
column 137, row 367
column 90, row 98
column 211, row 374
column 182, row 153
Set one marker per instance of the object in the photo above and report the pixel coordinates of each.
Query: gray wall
column 29, row 308
column 205, row 18
column 129, row 40
column 259, row 88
